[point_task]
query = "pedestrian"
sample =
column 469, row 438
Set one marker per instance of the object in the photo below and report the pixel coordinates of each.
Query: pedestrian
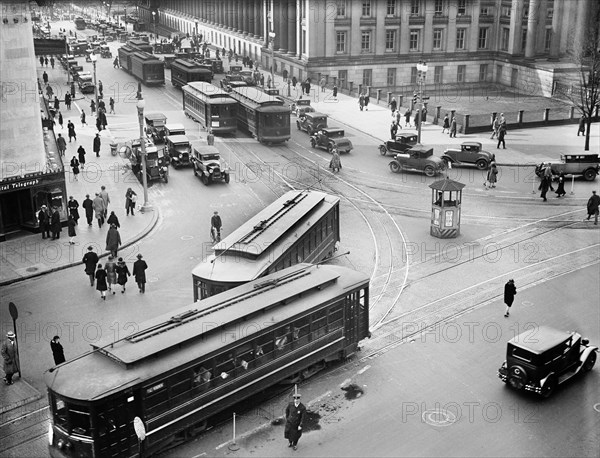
column 398, row 117
column 101, row 281
column 495, row 126
column 592, row 207
column 295, row 413
column 98, row 124
column 501, row 134
column 285, row 75
column 61, row 144
column 113, row 240
column 210, row 138
column 581, row 128
column 122, row 274
column 93, row 106
column 73, row 207
column 560, row 190
column 111, row 273
column 71, row 224
column 361, row 101
column 307, row 86
column 45, row 76
column 216, row 224
column 88, row 205
column 139, row 272
column 491, row 176
column 424, row 113
column 10, row 355
column 81, row 156
column 453, row 127
column 97, row 144
column 393, row 104
column 58, row 352
column 417, row 118
column 75, row 167
column 393, row 130
column 46, row 61
column 104, row 194
column 269, row 82
column 130, row 200
column 55, row 225
column 510, row 291
column 90, row 259
column 322, row 83
column 68, row 100
column 335, row 164
column 60, row 119
column 116, row 62
column 44, row 221
column 446, row 124
column 41, row 61
column 112, row 219
column 407, row 114
column 98, row 206
column 71, row 131
column 335, row 91
column 367, row 100
column 548, row 175
column 52, row 62
column 100, row 89
column 82, row 117
column 294, row 81
column 56, row 103
column 544, row 185
column 111, row 103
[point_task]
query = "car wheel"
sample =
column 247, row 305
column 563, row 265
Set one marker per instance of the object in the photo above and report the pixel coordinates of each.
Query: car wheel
column 313, row 143
column 227, row 178
column 589, row 174
column 588, row 365
column 429, row 171
column 382, row 150
column 549, row 387
column 205, row 180
column 482, row 164
column 517, row 377
column 395, row 167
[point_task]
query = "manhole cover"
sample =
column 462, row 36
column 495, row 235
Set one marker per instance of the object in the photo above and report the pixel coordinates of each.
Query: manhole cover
column 527, row 303
column 438, row 417
column 187, row 237
column 32, row 269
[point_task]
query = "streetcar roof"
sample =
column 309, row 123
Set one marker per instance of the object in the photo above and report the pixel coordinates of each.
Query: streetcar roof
column 207, row 89
column 252, row 95
column 146, row 56
column 258, row 243
column 190, row 332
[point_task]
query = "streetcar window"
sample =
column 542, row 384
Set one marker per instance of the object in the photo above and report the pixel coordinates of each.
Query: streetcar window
column 336, row 317
column 319, row 324
column 264, row 349
column 283, row 339
column 60, row 413
column 202, row 377
column 79, row 418
column 225, row 366
column 301, row 332
column 245, row 355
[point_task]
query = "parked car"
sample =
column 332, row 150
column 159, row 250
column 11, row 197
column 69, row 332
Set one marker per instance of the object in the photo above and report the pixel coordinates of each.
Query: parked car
column 174, row 129
column 157, row 163
column 587, row 165
column 540, row 361
column 330, row 138
column 402, row 142
column 419, row 159
column 469, row 153
column 155, row 126
column 85, row 83
column 301, row 106
column 179, row 150
column 311, row 122
column 209, row 166
column 248, row 77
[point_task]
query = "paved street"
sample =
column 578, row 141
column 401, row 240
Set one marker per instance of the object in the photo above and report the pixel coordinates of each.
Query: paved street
column 416, row 280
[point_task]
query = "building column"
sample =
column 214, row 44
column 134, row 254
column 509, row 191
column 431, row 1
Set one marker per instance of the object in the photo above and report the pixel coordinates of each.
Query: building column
column 299, row 29
column 583, row 22
column 291, row 25
column 281, row 25
column 532, row 21
column 556, row 31
column 247, row 12
column 257, row 26
column 516, row 18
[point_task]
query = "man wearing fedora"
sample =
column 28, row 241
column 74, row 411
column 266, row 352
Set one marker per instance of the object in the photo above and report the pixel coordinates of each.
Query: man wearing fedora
column 139, row 272
column 294, row 418
column 10, row 354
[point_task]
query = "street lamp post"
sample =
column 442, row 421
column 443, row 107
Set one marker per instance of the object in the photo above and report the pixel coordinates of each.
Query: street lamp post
column 141, row 103
column 94, row 58
column 154, row 24
column 272, row 36
column 421, row 75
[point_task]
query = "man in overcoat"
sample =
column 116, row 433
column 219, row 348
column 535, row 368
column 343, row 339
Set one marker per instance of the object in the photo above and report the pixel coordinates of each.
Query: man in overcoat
column 139, row 272
column 57, row 350
column 88, row 204
column 44, row 219
column 10, row 354
column 113, row 240
column 55, row 224
column 90, row 259
column 592, row 206
column 98, row 206
column 510, row 290
column 295, row 414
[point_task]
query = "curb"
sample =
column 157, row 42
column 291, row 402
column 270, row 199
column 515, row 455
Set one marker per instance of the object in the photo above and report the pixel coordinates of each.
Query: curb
column 22, row 402
column 136, row 239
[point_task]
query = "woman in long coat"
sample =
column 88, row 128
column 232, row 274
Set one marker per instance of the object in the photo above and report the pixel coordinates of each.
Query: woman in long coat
column 336, row 164
column 101, row 281
column 560, row 191
column 113, row 240
column 111, row 273
column 71, row 224
column 122, row 273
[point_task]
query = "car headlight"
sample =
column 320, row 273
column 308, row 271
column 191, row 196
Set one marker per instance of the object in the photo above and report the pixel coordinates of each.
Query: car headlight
column 180, row 156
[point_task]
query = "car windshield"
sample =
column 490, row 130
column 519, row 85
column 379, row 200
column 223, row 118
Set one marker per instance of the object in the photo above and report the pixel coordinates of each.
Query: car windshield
column 210, row 157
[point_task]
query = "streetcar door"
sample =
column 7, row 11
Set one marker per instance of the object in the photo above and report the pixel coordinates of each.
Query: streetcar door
column 116, row 436
column 351, row 307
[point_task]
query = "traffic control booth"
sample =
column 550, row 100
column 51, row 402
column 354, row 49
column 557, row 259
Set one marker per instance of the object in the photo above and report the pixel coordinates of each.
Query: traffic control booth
column 446, row 200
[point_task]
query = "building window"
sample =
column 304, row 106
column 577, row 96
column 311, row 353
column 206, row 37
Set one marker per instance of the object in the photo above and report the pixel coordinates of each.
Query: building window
column 340, row 41
column 460, row 38
column 391, row 8
column 437, row 39
column 341, row 8
column 414, row 40
column 483, row 37
column 506, row 11
column 438, row 74
column 483, row 72
column 504, row 39
column 499, row 73
column 460, row 74
column 413, row 75
column 547, row 39
column 523, row 39
column 414, row 7
column 390, row 40
column 438, row 7
column 484, row 11
column 550, row 12
column 366, row 8
column 462, row 7
column 365, row 41
column 367, row 77
column 391, row 77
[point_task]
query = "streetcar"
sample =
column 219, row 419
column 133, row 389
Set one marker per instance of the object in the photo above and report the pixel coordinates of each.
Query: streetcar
column 148, row 68
column 184, row 71
column 125, row 53
column 300, row 226
column 140, row 44
column 80, row 23
column 176, row 371
column 210, row 106
column 263, row 115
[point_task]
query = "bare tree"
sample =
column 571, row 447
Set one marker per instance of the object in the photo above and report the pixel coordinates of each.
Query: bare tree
column 586, row 55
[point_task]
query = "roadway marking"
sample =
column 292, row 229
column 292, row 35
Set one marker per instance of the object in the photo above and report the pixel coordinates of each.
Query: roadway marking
column 187, row 237
column 363, row 370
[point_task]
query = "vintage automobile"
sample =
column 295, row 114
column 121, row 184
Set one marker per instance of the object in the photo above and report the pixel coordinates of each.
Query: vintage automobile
column 539, row 360
column 105, row 52
column 301, row 106
column 330, row 138
column 174, row 129
column 179, row 149
column 209, row 166
column 157, row 164
column 155, row 126
column 248, row 77
column 399, row 145
column 469, row 153
column 311, row 122
column 587, row 165
column 419, row 159
column 85, row 83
